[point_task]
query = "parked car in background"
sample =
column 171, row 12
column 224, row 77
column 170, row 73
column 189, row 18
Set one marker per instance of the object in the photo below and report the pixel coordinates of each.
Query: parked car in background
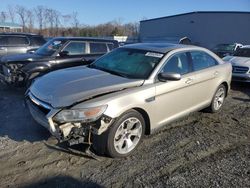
column 57, row 53
column 241, row 64
column 19, row 43
column 223, row 50
column 128, row 93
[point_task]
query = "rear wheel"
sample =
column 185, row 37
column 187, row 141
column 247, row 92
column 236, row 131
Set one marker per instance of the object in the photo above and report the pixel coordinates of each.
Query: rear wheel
column 123, row 137
column 218, row 99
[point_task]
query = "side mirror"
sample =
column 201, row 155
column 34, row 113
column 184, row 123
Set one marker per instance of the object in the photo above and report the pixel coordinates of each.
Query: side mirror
column 63, row 53
column 165, row 76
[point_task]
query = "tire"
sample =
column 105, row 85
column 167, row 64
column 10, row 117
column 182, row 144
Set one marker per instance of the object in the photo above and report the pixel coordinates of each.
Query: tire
column 218, row 100
column 123, row 137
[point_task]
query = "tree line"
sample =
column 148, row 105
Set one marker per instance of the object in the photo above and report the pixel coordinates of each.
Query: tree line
column 50, row 22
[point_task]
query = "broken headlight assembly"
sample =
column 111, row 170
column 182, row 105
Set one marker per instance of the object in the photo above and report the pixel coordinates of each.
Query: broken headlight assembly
column 80, row 115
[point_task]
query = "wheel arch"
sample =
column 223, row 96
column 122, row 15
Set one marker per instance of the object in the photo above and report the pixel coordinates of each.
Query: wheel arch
column 146, row 118
column 226, row 86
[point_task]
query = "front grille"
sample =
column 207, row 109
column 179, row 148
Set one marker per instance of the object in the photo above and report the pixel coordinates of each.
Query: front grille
column 240, row 70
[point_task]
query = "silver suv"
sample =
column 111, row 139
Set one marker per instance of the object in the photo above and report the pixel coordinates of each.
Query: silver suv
column 127, row 93
column 19, row 43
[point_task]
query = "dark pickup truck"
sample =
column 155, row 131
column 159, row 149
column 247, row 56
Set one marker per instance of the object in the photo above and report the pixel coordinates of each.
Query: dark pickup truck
column 58, row 53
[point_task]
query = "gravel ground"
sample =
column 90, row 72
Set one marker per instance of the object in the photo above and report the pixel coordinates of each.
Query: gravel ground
column 201, row 150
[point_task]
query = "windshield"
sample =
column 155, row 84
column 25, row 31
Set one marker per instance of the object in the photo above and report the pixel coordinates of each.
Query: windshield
column 130, row 63
column 243, row 52
column 50, row 47
column 225, row 47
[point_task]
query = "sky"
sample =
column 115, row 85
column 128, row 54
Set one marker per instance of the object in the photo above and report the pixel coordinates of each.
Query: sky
column 93, row 12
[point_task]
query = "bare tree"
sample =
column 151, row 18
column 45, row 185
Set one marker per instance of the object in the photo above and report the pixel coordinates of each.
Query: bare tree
column 11, row 13
column 53, row 20
column 3, row 16
column 30, row 20
column 57, row 16
column 22, row 13
column 40, row 16
column 75, row 23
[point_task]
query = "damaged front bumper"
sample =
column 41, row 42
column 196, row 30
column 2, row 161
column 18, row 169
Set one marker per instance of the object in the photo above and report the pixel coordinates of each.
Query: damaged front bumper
column 5, row 76
column 10, row 77
column 75, row 132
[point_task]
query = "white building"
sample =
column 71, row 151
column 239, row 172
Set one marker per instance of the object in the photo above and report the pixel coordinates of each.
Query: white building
column 10, row 27
column 202, row 28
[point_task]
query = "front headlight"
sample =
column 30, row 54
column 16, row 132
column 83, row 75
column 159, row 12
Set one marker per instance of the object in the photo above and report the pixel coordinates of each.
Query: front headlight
column 77, row 115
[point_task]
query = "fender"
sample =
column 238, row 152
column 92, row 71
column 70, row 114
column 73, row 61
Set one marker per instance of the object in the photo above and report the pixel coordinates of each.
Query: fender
column 36, row 67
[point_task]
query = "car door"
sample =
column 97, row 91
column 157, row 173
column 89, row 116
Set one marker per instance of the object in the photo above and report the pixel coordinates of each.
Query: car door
column 207, row 74
column 175, row 98
column 72, row 54
column 3, row 44
column 17, row 44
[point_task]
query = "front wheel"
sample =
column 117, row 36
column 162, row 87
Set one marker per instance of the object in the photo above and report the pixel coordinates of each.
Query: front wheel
column 218, row 99
column 124, row 136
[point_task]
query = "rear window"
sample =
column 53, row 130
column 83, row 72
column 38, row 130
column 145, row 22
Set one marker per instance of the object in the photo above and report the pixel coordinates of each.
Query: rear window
column 98, row 47
column 37, row 41
column 202, row 60
column 17, row 40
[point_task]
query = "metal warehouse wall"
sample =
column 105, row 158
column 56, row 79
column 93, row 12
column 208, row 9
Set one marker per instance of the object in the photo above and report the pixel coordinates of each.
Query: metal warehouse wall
column 203, row 28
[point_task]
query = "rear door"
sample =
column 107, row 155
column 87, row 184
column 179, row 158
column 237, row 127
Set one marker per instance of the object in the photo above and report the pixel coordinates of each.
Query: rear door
column 207, row 75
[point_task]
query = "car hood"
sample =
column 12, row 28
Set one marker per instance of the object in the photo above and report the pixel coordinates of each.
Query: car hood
column 238, row 61
column 23, row 58
column 66, row 87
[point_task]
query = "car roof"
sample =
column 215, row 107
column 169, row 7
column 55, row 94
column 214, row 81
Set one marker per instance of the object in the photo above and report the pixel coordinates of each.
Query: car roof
column 85, row 39
column 157, row 47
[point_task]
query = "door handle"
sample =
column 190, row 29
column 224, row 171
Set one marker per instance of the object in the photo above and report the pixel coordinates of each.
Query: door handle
column 189, row 81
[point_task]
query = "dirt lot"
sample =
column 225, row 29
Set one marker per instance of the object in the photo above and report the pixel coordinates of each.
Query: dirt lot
column 202, row 150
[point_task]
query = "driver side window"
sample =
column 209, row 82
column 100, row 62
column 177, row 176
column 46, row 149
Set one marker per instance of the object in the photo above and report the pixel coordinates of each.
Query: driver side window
column 178, row 63
column 75, row 48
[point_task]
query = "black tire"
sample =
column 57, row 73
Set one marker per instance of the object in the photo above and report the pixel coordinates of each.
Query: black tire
column 213, row 108
column 105, row 143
